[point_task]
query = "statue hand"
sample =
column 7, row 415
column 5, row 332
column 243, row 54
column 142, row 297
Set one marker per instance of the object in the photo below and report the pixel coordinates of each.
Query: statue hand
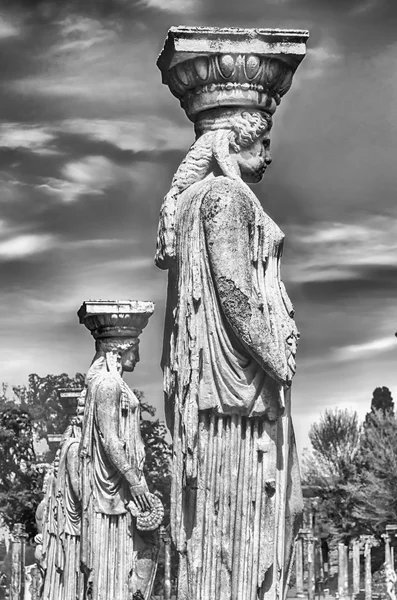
column 139, row 504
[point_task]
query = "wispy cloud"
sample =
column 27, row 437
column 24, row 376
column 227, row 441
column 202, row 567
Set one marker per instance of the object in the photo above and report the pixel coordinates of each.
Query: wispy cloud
column 155, row 133
column 91, row 175
column 339, row 251
column 33, row 137
column 173, row 6
column 373, row 347
column 8, row 29
column 79, row 33
column 318, row 60
column 23, row 246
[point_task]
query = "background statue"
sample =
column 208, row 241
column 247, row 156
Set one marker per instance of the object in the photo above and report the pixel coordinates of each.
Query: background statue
column 118, row 550
column 230, row 337
column 46, row 539
column 391, row 578
column 59, row 517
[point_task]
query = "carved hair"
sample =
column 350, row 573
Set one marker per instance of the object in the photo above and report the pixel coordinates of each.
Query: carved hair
column 217, row 132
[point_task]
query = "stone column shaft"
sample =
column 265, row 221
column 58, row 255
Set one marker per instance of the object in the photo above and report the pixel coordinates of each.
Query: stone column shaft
column 299, row 568
column 342, row 570
column 17, row 587
column 356, row 567
column 310, row 561
column 368, row 572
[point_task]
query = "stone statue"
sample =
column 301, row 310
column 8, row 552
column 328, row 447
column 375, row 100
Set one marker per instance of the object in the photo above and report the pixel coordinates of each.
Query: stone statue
column 119, row 515
column 391, row 579
column 230, row 336
column 58, row 517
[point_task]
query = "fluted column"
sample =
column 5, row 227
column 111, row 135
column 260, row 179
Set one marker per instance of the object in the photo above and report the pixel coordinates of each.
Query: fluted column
column 17, row 587
column 299, row 566
column 356, row 566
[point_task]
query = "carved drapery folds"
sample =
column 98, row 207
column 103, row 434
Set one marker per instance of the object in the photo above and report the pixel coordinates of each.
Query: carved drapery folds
column 230, row 336
column 100, row 523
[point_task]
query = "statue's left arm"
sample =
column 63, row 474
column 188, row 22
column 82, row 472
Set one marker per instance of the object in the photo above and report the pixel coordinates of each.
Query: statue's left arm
column 72, row 465
column 228, row 216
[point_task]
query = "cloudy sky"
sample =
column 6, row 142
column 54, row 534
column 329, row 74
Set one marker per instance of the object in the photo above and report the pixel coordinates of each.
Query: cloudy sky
column 89, row 140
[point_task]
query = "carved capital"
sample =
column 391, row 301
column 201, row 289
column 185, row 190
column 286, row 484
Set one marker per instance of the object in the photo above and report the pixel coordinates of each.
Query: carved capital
column 115, row 319
column 69, row 397
column 208, row 67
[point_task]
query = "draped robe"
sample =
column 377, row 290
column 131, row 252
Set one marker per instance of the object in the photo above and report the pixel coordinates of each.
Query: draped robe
column 116, row 559
column 236, row 501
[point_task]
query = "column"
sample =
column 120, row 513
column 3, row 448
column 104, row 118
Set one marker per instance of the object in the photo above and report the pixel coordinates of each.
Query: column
column 17, row 587
column 342, row 570
column 368, row 572
column 356, row 566
column 311, row 584
column 165, row 536
column 69, row 397
column 299, row 567
column 386, row 539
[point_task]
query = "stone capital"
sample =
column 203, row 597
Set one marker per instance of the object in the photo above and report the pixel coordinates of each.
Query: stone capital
column 115, row 318
column 69, row 397
column 207, row 67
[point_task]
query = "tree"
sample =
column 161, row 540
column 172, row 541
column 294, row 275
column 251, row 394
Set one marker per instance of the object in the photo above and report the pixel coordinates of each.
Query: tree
column 158, row 476
column 40, row 399
column 335, row 443
column 373, row 488
column 20, row 483
column 329, row 465
column 381, row 401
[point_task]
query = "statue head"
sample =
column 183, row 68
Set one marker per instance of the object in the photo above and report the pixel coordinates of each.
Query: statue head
column 233, row 142
column 116, row 326
column 241, row 141
column 121, row 353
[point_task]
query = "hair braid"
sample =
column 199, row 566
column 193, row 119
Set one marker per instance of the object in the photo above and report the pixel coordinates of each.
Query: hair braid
column 217, row 130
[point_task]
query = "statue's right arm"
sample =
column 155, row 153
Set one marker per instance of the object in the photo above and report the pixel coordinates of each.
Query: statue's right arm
column 227, row 214
column 107, row 414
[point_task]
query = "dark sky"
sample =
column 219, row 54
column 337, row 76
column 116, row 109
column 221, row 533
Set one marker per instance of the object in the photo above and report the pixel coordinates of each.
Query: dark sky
column 89, row 140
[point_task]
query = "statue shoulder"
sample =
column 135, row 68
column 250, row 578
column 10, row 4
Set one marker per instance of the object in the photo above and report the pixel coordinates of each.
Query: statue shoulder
column 109, row 385
column 227, row 196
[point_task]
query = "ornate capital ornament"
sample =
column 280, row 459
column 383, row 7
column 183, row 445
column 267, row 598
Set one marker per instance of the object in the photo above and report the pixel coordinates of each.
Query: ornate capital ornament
column 115, row 319
column 209, row 67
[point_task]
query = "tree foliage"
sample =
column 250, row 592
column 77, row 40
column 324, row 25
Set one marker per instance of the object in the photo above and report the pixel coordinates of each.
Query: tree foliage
column 40, row 399
column 353, row 468
column 329, row 465
column 335, row 443
column 381, row 401
column 20, row 482
column 373, row 488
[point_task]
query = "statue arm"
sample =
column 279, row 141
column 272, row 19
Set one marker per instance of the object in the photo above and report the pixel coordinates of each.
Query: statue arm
column 72, row 465
column 227, row 215
column 107, row 413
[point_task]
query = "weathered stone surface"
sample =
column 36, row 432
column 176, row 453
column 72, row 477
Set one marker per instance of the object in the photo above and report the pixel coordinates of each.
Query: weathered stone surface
column 118, row 559
column 206, row 67
column 98, row 523
column 58, row 516
column 230, row 337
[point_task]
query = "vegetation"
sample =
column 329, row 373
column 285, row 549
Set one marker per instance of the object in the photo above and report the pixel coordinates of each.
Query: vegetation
column 352, row 469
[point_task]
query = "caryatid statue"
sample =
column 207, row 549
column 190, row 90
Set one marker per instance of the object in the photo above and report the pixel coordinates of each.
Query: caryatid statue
column 230, row 335
column 60, row 512
column 119, row 516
